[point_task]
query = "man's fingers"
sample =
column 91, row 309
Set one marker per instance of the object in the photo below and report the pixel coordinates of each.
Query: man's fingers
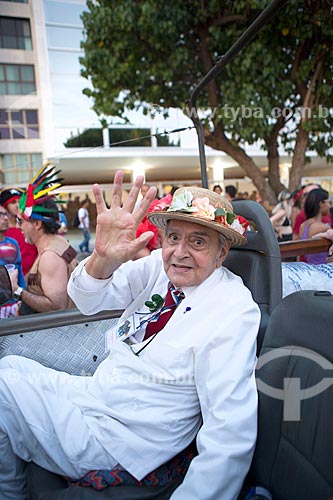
column 100, row 203
column 133, row 194
column 142, row 209
column 117, row 190
column 141, row 242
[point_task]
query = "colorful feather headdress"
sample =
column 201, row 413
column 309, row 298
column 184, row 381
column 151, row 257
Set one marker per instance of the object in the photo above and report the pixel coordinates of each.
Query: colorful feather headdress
column 40, row 189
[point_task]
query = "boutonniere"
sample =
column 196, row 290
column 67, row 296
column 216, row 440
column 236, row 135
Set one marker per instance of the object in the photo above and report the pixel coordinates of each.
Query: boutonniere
column 155, row 303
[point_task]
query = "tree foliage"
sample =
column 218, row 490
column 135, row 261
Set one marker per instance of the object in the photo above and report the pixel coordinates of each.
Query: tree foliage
column 277, row 91
column 93, row 137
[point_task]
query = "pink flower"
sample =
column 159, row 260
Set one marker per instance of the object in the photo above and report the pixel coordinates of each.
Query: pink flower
column 204, row 209
column 159, row 205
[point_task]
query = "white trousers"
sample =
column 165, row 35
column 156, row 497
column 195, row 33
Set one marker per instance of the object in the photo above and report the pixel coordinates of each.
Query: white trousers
column 39, row 423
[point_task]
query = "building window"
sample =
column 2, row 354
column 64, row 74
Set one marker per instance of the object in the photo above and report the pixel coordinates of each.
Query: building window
column 21, row 124
column 17, row 79
column 15, row 33
column 19, row 168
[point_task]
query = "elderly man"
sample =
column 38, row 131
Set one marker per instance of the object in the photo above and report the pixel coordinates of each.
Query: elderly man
column 38, row 218
column 178, row 367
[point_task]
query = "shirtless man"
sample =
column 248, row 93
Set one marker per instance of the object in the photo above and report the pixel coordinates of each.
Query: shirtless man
column 48, row 277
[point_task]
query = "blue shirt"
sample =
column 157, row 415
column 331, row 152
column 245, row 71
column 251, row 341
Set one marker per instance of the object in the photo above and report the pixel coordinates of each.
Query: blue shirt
column 10, row 254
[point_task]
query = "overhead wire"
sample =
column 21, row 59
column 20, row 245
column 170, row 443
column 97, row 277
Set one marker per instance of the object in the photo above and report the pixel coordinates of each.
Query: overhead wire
column 126, row 141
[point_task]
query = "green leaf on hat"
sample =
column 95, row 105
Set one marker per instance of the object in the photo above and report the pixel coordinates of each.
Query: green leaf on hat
column 230, row 217
column 219, row 211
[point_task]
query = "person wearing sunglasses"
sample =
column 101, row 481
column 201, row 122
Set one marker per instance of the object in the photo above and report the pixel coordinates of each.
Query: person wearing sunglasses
column 181, row 362
column 38, row 219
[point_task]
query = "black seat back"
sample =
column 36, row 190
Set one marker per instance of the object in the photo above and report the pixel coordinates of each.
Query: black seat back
column 258, row 262
column 293, row 456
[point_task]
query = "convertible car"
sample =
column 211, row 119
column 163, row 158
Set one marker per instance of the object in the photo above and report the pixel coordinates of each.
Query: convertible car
column 292, row 459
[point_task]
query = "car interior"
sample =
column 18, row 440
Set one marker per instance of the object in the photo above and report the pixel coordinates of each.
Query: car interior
column 292, row 455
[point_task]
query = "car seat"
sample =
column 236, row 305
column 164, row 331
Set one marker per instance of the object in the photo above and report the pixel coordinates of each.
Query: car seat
column 293, row 455
column 258, row 262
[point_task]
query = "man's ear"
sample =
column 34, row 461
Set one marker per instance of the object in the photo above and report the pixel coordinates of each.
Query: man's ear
column 223, row 254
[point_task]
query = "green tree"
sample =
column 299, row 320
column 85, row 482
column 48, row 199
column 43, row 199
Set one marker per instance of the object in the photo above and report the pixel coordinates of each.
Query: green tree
column 89, row 138
column 93, row 137
column 277, row 90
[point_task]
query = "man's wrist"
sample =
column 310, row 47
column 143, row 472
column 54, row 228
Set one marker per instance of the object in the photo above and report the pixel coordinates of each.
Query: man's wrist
column 18, row 292
column 99, row 267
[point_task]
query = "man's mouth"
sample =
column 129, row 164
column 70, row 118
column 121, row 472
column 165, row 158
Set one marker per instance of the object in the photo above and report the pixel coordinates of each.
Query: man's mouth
column 181, row 267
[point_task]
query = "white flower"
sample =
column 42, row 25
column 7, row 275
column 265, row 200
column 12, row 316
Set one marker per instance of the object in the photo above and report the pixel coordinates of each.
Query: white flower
column 182, row 202
column 237, row 226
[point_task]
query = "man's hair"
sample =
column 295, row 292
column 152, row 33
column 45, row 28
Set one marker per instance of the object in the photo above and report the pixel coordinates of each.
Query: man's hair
column 231, row 190
column 222, row 240
column 312, row 202
column 52, row 225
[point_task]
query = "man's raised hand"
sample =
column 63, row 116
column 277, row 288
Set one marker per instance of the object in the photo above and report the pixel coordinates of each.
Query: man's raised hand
column 116, row 240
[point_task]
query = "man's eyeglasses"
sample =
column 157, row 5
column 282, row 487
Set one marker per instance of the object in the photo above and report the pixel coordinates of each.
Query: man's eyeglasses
column 19, row 221
column 3, row 214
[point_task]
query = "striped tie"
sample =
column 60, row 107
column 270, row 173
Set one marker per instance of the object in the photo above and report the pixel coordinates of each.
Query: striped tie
column 172, row 300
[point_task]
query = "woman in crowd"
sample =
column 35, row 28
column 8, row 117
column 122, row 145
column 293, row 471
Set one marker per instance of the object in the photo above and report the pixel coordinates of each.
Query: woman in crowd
column 281, row 217
column 317, row 205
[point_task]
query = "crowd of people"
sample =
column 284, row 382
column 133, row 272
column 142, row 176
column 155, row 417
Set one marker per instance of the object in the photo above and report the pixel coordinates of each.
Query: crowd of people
column 302, row 215
column 35, row 244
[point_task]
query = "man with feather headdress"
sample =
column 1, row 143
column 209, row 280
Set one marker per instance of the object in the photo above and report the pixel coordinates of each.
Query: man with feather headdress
column 39, row 220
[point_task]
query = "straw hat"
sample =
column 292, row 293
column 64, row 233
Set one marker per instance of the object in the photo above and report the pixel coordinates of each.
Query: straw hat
column 204, row 207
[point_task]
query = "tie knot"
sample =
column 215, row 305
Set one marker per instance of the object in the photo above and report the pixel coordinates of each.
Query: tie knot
column 177, row 294
column 159, row 320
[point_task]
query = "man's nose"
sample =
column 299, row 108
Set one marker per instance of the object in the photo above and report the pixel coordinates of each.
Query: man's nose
column 181, row 249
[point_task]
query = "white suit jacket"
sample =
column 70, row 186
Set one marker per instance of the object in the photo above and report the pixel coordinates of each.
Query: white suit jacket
column 195, row 378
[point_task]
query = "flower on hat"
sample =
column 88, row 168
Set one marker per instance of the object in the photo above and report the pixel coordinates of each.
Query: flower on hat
column 244, row 223
column 237, row 226
column 204, row 208
column 182, row 202
column 201, row 207
column 158, row 205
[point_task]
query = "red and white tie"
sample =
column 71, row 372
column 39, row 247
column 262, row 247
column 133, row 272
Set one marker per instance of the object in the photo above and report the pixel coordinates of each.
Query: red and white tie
column 172, row 300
